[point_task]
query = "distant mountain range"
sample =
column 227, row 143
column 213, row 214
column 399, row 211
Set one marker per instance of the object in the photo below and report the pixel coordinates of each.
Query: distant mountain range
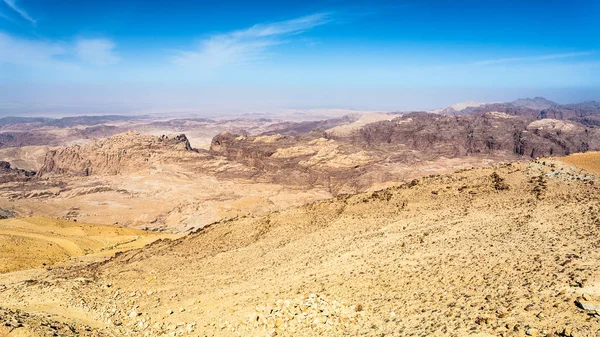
column 587, row 113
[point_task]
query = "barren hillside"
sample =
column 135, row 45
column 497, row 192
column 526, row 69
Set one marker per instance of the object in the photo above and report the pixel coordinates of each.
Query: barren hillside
column 35, row 242
column 508, row 250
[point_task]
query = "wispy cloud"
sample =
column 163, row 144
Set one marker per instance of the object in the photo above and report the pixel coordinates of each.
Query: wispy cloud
column 56, row 54
column 534, row 58
column 13, row 5
column 246, row 45
column 6, row 17
column 97, row 52
column 28, row 52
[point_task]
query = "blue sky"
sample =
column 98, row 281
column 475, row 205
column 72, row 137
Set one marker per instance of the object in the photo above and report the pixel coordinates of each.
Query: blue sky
column 218, row 56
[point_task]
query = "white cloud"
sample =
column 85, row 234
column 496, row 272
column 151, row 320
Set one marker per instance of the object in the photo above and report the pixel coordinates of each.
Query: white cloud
column 13, row 5
column 548, row 57
column 293, row 26
column 28, row 52
column 55, row 54
column 246, row 45
column 97, row 52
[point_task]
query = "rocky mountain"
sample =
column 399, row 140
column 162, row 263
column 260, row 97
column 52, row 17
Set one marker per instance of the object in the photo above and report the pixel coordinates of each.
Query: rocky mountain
column 425, row 135
column 385, row 224
column 66, row 122
column 126, row 152
column 481, row 134
column 298, row 128
column 537, row 103
column 365, row 154
column 19, row 139
column 304, row 160
column 160, row 183
column 16, row 138
column 458, row 107
column 587, row 113
column 309, row 161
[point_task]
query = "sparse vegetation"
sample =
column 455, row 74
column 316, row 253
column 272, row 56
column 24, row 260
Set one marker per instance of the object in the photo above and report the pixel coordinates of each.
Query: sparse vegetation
column 498, row 182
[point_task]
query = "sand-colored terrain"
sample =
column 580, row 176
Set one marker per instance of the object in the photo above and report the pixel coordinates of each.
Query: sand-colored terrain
column 589, row 161
column 25, row 157
column 509, row 250
column 39, row 241
column 292, row 229
column 161, row 183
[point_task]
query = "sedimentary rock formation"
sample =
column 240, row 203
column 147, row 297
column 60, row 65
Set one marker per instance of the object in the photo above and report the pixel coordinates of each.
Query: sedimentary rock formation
column 125, row 152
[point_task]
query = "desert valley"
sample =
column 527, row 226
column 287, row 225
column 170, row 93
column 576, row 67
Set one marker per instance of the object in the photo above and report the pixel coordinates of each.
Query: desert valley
column 475, row 221
column 268, row 168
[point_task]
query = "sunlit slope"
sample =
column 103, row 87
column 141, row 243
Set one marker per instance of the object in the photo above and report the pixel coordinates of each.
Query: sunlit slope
column 589, row 161
column 33, row 242
column 509, row 250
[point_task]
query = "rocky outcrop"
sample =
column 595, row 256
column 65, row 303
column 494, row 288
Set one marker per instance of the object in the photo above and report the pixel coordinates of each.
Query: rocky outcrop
column 6, row 213
column 307, row 160
column 428, row 135
column 362, row 156
column 586, row 113
column 481, row 134
column 10, row 174
column 251, row 150
column 126, row 152
column 538, row 103
column 299, row 128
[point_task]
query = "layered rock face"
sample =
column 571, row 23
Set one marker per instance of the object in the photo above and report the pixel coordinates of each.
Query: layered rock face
column 455, row 136
column 367, row 154
column 430, row 135
column 126, row 152
column 308, row 160
column 587, row 113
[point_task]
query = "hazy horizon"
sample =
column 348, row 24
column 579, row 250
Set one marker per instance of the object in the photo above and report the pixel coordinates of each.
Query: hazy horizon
column 57, row 110
column 137, row 57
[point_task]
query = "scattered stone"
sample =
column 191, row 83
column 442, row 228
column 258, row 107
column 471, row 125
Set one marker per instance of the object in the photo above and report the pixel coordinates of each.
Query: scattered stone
column 502, row 312
column 588, row 305
column 483, row 320
column 313, row 312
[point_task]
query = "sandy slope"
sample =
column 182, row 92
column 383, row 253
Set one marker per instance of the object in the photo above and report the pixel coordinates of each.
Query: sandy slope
column 589, row 161
column 502, row 251
column 34, row 242
column 25, row 157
